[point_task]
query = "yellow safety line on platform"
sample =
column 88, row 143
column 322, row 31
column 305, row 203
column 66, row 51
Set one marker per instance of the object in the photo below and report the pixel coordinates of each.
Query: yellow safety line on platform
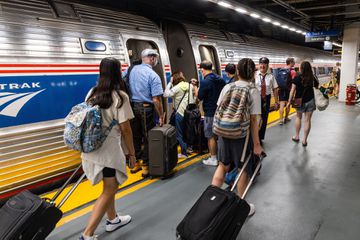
column 121, row 194
column 95, row 191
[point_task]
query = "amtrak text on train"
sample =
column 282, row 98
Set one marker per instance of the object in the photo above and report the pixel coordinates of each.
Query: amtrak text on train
column 20, row 86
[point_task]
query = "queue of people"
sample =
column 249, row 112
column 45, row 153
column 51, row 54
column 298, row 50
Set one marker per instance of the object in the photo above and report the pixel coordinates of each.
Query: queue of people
column 137, row 114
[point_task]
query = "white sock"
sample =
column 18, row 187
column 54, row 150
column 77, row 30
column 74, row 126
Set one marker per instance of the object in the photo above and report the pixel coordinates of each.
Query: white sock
column 213, row 157
column 115, row 220
column 87, row 237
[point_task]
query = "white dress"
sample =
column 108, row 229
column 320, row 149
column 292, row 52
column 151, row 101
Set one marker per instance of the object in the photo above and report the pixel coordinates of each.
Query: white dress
column 112, row 153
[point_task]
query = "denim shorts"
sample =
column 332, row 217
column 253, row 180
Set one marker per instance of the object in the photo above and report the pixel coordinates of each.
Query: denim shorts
column 208, row 127
column 307, row 107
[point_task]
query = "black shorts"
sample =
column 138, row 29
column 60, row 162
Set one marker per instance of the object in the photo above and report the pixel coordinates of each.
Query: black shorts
column 230, row 151
column 283, row 95
column 108, row 172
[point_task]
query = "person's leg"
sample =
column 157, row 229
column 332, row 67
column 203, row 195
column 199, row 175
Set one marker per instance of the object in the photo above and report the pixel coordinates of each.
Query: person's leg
column 148, row 118
column 281, row 111
column 111, row 211
column 264, row 114
column 219, row 175
column 110, row 186
column 136, row 126
column 212, row 146
column 297, row 125
column 307, row 126
column 212, row 161
column 287, row 112
column 242, row 184
column 179, row 122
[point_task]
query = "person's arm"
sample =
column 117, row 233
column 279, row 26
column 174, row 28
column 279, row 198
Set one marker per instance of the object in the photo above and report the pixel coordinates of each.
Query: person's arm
column 169, row 90
column 159, row 109
column 254, row 128
column 291, row 95
column 126, row 132
column 276, row 96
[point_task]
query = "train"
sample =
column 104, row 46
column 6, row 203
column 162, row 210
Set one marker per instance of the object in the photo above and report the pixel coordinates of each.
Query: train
column 49, row 58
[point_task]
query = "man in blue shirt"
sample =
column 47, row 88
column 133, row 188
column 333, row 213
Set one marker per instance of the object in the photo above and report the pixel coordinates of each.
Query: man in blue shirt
column 146, row 97
column 209, row 91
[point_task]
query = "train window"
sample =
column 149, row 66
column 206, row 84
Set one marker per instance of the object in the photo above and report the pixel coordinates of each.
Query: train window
column 64, row 10
column 95, row 46
column 209, row 53
column 330, row 69
column 321, row 70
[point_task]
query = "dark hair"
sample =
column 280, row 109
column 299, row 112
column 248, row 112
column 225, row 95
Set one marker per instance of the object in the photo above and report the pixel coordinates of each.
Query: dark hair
column 230, row 68
column 177, row 77
column 109, row 80
column 246, row 69
column 289, row 61
column 206, row 64
column 307, row 75
column 264, row 60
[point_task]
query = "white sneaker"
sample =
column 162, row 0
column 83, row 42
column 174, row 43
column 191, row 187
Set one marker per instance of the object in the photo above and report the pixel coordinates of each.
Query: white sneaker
column 121, row 221
column 180, row 155
column 210, row 162
column 82, row 237
column 252, row 209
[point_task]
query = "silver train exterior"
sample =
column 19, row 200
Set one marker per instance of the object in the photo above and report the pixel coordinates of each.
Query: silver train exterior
column 49, row 59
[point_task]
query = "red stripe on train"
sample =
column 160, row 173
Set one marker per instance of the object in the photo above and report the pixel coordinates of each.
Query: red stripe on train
column 13, row 65
column 49, row 71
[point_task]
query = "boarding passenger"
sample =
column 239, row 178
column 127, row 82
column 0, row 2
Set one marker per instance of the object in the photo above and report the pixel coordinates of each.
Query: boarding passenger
column 284, row 79
column 302, row 88
column 146, row 97
column 230, row 71
column 230, row 150
column 108, row 163
column 337, row 76
column 208, row 92
column 266, row 83
column 182, row 93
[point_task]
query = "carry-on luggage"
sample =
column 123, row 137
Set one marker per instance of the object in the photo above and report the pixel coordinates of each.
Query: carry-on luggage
column 28, row 217
column 218, row 214
column 163, row 154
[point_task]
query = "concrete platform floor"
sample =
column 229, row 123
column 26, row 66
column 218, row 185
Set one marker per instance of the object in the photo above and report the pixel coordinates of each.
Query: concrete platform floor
column 302, row 193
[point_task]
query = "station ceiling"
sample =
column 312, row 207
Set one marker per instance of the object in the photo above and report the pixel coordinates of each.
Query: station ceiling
column 306, row 15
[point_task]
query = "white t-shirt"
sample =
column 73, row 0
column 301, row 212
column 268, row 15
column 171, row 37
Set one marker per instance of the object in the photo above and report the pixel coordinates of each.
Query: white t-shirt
column 254, row 99
column 270, row 82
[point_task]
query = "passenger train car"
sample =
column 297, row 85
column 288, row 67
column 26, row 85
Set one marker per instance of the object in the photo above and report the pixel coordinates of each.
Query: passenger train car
column 49, row 57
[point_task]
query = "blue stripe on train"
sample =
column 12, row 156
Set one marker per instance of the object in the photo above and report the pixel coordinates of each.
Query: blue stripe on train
column 59, row 94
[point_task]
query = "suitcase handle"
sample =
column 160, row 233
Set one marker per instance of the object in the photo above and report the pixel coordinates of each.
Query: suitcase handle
column 52, row 201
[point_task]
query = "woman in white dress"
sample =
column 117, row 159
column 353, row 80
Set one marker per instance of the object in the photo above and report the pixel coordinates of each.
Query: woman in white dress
column 108, row 163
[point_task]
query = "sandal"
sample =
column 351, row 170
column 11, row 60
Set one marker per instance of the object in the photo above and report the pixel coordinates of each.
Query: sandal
column 295, row 140
column 304, row 144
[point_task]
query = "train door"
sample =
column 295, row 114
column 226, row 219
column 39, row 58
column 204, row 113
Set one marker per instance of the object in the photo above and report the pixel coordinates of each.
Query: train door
column 179, row 49
column 136, row 46
column 208, row 52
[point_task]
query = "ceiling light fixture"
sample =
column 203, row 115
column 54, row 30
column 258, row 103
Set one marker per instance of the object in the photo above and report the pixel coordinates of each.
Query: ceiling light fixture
column 255, row 15
column 285, row 26
column 266, row 19
column 225, row 4
column 241, row 10
column 276, row 23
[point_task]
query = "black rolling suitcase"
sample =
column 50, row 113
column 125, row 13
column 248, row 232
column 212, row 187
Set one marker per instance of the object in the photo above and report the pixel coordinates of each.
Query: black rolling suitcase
column 163, row 154
column 218, row 214
column 26, row 216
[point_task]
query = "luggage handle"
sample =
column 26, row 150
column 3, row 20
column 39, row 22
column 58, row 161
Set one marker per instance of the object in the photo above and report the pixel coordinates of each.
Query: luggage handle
column 261, row 157
column 66, row 184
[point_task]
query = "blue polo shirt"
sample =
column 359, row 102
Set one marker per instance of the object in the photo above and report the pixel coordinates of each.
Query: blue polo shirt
column 144, row 83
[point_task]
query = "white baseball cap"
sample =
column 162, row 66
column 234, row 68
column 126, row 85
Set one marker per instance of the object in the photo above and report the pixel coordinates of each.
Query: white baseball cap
column 149, row 52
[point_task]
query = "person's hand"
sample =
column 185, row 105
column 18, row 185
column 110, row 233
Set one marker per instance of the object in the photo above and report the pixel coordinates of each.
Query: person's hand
column 277, row 105
column 258, row 150
column 171, row 80
column 161, row 121
column 194, row 81
column 132, row 161
column 288, row 105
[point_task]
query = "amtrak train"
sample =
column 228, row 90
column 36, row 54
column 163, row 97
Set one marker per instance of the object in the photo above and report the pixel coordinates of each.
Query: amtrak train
column 49, row 57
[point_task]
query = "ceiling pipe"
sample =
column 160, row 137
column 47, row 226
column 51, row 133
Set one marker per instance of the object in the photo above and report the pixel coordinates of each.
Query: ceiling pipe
column 330, row 14
column 329, row 6
column 291, row 8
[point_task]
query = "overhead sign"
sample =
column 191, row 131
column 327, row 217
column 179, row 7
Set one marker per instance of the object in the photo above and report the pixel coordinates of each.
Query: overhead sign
column 322, row 36
column 328, row 45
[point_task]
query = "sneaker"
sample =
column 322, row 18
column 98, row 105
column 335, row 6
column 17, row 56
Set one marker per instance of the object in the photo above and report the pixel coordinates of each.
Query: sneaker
column 121, row 221
column 180, row 155
column 210, row 162
column 82, row 237
column 288, row 119
column 190, row 150
column 136, row 168
column 252, row 209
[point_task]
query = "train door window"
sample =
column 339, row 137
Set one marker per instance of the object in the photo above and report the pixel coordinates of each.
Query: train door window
column 330, row 69
column 135, row 47
column 209, row 53
column 321, row 70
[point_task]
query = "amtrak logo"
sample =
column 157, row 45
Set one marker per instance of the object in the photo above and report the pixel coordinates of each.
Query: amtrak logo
column 16, row 101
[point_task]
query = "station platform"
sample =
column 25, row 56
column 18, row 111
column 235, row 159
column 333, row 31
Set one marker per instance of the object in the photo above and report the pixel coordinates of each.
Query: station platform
column 302, row 193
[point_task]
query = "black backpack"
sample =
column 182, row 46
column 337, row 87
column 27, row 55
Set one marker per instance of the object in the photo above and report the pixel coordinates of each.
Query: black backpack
column 127, row 77
column 283, row 78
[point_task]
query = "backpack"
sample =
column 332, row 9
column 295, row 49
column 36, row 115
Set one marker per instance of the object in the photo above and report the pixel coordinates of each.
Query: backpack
column 283, row 78
column 127, row 77
column 83, row 128
column 232, row 116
